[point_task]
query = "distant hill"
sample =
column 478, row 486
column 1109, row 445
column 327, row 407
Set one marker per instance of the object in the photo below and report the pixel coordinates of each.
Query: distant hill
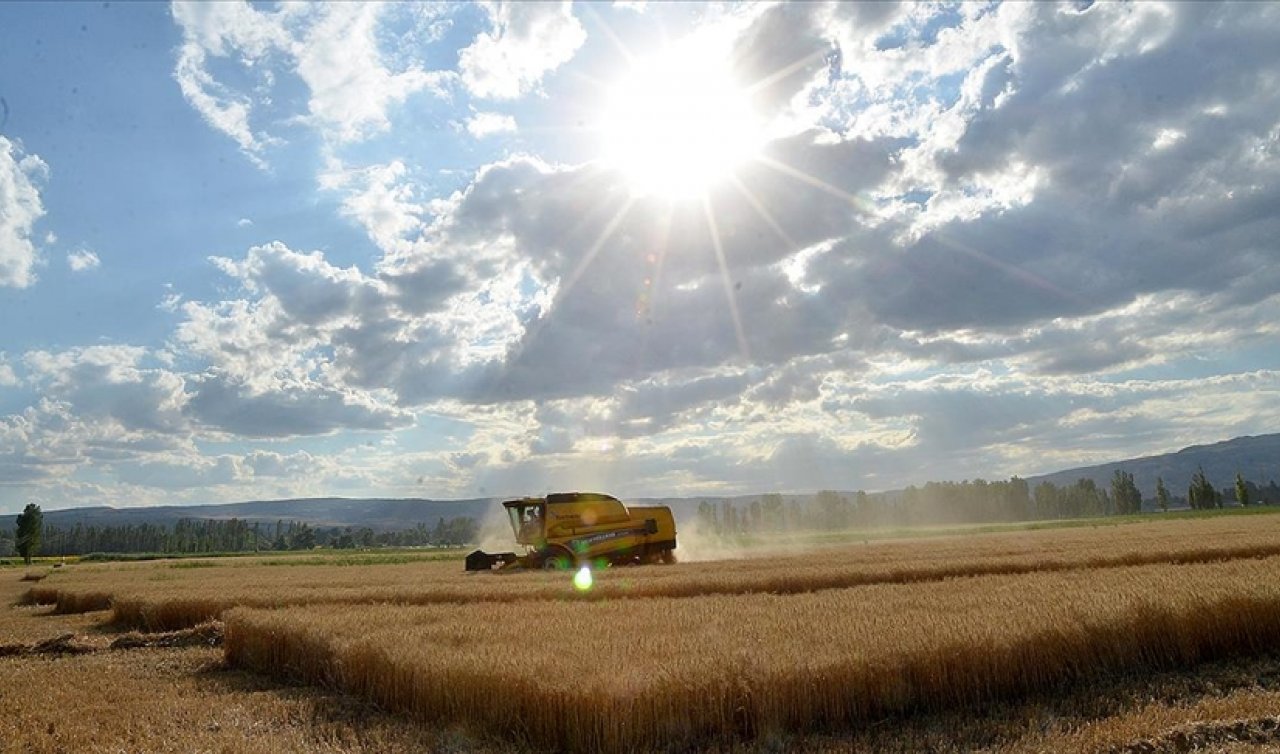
column 1257, row 458
column 329, row 512
column 377, row 514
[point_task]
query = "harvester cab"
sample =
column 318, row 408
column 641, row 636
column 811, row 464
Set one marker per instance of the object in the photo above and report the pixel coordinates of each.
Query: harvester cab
column 565, row 530
column 528, row 518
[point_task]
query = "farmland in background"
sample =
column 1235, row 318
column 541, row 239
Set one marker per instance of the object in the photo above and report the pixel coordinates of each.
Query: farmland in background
column 1045, row 640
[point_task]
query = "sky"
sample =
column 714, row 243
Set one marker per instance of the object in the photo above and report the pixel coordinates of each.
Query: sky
column 251, row 251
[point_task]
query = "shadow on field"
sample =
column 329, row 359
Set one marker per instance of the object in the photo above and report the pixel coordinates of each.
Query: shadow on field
column 1000, row 726
column 338, row 716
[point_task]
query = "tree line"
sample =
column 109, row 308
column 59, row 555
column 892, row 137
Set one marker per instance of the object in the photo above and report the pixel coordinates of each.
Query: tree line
column 194, row 536
column 935, row 503
column 970, row 502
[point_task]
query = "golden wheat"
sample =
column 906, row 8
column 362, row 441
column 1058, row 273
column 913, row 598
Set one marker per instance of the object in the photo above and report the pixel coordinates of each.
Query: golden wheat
column 173, row 700
column 164, row 686
column 160, row 596
column 650, row 672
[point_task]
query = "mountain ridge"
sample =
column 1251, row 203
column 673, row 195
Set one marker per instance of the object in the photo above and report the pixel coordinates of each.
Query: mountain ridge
column 1257, row 457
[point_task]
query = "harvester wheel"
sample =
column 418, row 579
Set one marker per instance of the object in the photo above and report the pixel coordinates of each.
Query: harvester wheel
column 558, row 559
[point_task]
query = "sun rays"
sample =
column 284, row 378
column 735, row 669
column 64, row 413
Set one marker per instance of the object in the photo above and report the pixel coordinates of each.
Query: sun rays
column 677, row 129
column 678, row 132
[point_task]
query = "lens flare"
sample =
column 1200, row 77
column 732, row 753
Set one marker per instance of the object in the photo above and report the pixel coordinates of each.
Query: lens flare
column 582, row 579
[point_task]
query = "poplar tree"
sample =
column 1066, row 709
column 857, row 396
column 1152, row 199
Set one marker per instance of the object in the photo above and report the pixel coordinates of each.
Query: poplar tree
column 1162, row 494
column 30, row 526
column 1242, row 490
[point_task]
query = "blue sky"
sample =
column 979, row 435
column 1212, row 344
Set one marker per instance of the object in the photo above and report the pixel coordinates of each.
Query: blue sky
column 446, row 250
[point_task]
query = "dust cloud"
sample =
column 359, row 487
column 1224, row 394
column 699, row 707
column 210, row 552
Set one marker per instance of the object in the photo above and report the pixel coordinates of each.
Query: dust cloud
column 494, row 534
column 696, row 542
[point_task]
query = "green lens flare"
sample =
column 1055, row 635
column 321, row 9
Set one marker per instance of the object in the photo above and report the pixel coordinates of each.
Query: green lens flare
column 582, row 579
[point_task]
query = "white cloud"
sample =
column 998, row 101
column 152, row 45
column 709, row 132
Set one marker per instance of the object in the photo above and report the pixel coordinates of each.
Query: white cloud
column 305, row 407
column 243, row 222
column 111, row 388
column 970, row 234
column 20, row 208
column 528, row 40
column 380, row 198
column 82, row 259
column 111, row 383
column 265, row 463
column 221, row 30
column 333, row 49
column 351, row 89
column 481, row 125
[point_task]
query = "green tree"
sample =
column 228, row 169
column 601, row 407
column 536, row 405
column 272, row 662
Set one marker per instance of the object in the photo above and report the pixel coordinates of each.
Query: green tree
column 30, row 525
column 1162, row 494
column 1242, row 490
column 1049, row 500
column 1201, row 493
column 1085, row 499
column 1125, row 493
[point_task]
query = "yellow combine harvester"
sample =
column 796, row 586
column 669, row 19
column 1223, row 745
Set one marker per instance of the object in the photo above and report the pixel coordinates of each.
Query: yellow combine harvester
column 572, row 528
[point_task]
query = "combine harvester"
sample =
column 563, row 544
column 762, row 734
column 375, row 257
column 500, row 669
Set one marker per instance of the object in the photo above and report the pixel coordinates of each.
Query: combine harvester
column 570, row 529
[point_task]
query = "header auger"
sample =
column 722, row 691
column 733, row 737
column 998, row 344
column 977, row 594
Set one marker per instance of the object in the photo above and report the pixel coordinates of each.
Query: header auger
column 569, row 529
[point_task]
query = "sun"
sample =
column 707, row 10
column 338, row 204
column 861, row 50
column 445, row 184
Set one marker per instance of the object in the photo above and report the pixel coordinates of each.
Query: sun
column 678, row 123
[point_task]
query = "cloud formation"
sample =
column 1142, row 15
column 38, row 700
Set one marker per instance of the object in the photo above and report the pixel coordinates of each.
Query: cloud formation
column 81, row 260
column 485, row 124
column 527, row 41
column 990, row 239
column 20, row 207
column 333, row 50
column 918, row 238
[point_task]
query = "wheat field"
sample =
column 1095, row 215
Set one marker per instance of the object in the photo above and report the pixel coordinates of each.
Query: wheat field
column 645, row 673
column 174, row 595
column 1013, row 642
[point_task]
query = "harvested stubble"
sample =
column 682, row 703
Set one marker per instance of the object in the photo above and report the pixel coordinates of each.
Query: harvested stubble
column 182, row 700
column 1206, row 724
column 636, row 674
column 157, row 597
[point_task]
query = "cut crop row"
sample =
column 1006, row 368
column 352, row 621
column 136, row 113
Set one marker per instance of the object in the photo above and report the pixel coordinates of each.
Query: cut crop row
column 638, row 674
